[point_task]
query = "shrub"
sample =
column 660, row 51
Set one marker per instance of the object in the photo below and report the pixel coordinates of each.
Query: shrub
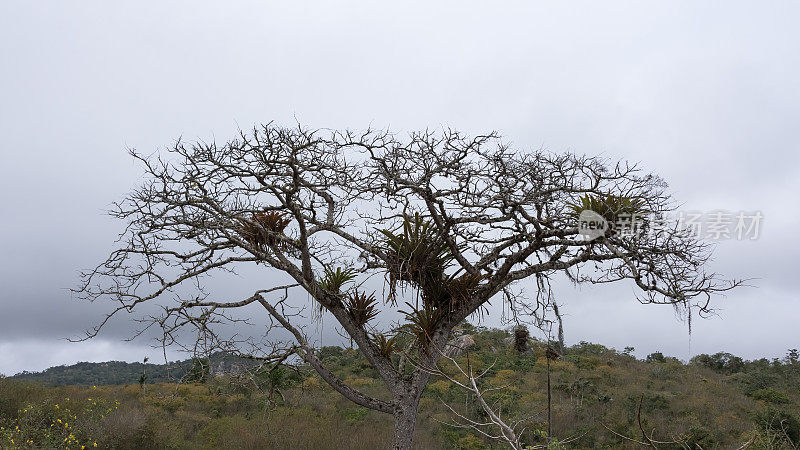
column 199, row 372
column 52, row 423
column 439, row 388
column 126, row 428
column 353, row 415
column 783, row 423
column 15, row 394
column 700, row 437
column 770, row 396
column 471, row 442
column 720, row 362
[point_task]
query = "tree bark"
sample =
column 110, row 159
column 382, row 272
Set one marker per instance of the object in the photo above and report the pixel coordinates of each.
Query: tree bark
column 405, row 420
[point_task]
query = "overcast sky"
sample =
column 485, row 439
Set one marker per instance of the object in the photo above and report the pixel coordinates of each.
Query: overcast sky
column 703, row 93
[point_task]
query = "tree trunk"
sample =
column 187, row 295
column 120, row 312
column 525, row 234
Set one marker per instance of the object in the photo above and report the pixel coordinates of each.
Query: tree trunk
column 405, row 419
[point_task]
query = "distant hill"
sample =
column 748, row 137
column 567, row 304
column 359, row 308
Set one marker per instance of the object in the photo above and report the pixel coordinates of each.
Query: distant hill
column 121, row 372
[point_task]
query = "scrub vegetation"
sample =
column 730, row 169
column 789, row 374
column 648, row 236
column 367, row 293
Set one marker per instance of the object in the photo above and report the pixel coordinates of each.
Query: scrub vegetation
column 713, row 401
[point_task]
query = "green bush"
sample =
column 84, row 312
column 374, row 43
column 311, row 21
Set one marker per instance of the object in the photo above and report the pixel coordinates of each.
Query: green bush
column 770, row 396
column 353, row 415
column 700, row 437
column 15, row 394
column 783, row 423
column 720, row 362
column 199, row 372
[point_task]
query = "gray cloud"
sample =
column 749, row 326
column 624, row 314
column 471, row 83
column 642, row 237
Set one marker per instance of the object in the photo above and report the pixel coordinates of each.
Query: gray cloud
column 704, row 94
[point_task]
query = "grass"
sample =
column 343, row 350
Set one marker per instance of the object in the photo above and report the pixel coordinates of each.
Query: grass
column 593, row 388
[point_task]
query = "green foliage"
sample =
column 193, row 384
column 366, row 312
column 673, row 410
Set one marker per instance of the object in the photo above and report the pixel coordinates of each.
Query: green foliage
column 117, row 372
column 783, row 424
column 15, row 394
column 276, row 378
column 720, row 362
column 353, row 415
column 333, row 280
column 386, row 345
column 770, row 396
column 111, row 372
column 609, row 206
column 362, row 307
column 421, row 324
column 418, row 253
column 452, row 291
column 792, row 356
column 583, row 362
column 760, row 378
column 587, row 348
column 199, row 372
column 700, row 437
column 471, row 442
column 331, row 354
column 592, row 384
column 55, row 423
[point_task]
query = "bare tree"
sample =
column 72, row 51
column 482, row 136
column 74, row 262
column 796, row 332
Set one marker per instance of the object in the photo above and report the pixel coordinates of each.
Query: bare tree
column 507, row 431
column 453, row 221
column 494, row 427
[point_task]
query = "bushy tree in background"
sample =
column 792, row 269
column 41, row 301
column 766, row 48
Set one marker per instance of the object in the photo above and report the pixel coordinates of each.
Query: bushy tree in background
column 199, row 372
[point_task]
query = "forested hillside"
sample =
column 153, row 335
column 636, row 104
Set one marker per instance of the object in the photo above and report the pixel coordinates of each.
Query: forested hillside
column 120, row 372
column 599, row 395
